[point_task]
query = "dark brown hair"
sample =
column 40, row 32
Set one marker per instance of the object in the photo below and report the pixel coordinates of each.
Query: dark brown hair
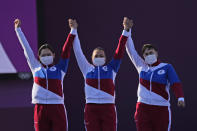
column 99, row 48
column 45, row 46
column 148, row 46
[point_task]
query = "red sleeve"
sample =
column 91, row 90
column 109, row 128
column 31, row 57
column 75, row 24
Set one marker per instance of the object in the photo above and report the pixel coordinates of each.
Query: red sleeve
column 121, row 47
column 67, row 46
column 177, row 89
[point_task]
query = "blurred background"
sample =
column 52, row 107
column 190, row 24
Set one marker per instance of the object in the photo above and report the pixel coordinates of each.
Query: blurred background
column 169, row 25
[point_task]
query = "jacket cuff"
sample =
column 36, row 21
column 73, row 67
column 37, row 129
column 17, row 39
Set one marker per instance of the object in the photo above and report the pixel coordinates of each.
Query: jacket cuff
column 181, row 99
column 73, row 31
column 18, row 29
column 126, row 33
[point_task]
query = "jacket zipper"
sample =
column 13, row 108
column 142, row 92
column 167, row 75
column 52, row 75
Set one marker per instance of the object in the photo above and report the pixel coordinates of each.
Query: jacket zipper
column 151, row 77
column 46, row 82
column 99, row 79
column 151, row 85
column 47, row 78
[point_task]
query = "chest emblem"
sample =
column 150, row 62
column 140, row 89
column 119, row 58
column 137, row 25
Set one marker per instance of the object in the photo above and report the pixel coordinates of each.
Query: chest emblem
column 105, row 68
column 161, row 72
column 53, row 69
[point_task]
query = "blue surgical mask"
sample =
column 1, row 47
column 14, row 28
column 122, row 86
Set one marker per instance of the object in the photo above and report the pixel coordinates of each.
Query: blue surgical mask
column 46, row 60
column 151, row 59
column 99, row 61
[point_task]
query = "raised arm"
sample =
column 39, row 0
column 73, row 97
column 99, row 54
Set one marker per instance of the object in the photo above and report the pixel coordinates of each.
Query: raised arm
column 83, row 64
column 133, row 55
column 116, row 61
column 65, row 55
column 32, row 61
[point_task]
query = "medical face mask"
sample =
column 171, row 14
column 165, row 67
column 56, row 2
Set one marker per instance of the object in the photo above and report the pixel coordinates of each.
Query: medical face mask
column 151, row 59
column 46, row 60
column 99, row 61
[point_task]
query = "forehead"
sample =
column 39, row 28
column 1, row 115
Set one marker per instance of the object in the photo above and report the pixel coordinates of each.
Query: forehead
column 149, row 50
column 45, row 51
column 98, row 52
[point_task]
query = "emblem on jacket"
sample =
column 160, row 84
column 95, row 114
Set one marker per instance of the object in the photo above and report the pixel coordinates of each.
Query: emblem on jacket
column 105, row 68
column 161, row 72
column 52, row 68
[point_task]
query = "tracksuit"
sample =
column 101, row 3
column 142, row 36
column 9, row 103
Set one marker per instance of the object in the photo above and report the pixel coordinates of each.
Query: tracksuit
column 100, row 111
column 153, row 104
column 47, row 91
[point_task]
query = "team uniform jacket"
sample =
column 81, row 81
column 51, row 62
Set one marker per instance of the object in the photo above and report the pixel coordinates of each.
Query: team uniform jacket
column 100, row 80
column 154, row 81
column 48, row 81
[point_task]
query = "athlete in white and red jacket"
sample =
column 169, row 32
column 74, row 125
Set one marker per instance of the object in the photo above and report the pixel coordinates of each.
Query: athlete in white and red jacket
column 100, row 113
column 47, row 92
column 155, row 80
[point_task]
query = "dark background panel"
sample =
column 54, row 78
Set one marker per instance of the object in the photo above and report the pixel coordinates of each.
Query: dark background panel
column 169, row 25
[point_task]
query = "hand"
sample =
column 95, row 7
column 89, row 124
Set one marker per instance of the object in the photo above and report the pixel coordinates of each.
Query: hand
column 73, row 24
column 181, row 103
column 17, row 23
column 127, row 23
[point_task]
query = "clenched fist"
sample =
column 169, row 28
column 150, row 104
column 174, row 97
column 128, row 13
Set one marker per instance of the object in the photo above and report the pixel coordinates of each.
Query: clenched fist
column 181, row 103
column 17, row 23
column 127, row 23
column 73, row 24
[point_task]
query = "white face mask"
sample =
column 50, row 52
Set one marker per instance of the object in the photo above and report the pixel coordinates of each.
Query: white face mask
column 46, row 60
column 99, row 61
column 151, row 59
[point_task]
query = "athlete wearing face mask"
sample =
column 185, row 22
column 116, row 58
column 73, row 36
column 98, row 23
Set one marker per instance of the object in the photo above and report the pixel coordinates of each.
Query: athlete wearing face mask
column 46, row 55
column 155, row 80
column 100, row 112
column 98, row 57
column 99, row 61
column 47, row 91
column 151, row 59
column 47, row 60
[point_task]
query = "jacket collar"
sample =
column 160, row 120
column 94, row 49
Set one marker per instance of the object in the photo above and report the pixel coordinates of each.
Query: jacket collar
column 48, row 65
column 156, row 63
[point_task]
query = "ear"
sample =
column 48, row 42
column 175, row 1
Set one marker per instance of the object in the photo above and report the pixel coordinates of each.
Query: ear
column 105, row 58
column 92, row 56
column 53, row 55
column 38, row 57
column 92, row 59
column 143, row 56
column 157, row 54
